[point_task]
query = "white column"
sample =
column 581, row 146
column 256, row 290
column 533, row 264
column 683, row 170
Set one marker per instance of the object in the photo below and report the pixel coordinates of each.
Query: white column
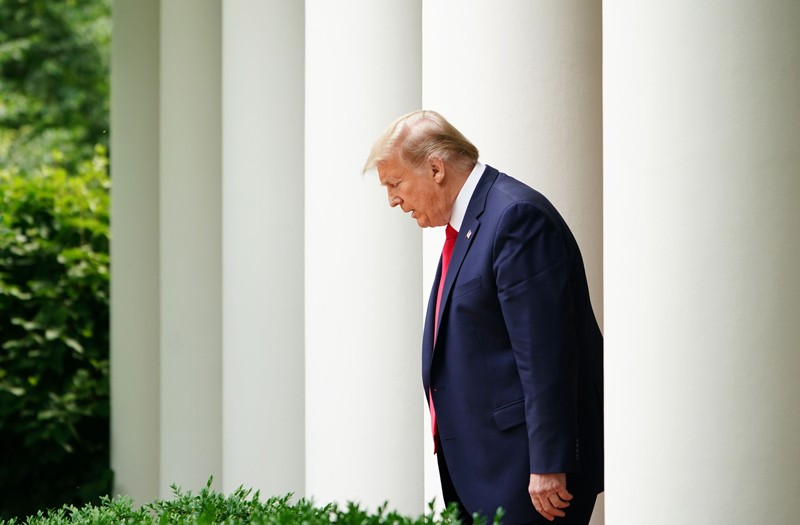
column 702, row 149
column 190, row 222
column 363, row 326
column 522, row 80
column 135, row 311
column 263, row 357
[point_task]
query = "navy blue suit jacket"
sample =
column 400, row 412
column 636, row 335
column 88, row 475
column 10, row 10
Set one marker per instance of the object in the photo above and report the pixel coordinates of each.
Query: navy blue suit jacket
column 516, row 372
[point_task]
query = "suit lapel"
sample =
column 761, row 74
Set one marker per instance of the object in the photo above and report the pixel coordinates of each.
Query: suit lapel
column 469, row 231
column 460, row 250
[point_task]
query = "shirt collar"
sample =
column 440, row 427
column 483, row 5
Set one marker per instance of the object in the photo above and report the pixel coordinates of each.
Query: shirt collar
column 464, row 196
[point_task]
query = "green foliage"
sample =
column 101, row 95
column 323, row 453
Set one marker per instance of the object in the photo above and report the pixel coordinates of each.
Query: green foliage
column 54, row 278
column 240, row 508
column 54, row 410
column 54, row 84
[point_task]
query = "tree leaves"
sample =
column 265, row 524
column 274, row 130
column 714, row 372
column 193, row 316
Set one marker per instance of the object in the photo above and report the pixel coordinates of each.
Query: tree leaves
column 53, row 81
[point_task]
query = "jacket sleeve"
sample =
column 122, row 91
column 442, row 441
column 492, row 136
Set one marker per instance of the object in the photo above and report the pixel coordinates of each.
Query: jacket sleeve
column 531, row 263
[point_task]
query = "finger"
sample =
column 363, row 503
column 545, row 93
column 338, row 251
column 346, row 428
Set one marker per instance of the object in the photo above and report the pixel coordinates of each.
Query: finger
column 554, row 501
column 544, row 508
column 553, row 511
column 540, row 508
column 564, row 494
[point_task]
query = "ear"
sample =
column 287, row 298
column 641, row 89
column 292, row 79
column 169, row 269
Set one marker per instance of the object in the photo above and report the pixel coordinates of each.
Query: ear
column 437, row 169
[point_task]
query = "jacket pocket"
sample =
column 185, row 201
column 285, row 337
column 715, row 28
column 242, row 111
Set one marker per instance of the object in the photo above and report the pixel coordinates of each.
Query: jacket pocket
column 467, row 287
column 510, row 415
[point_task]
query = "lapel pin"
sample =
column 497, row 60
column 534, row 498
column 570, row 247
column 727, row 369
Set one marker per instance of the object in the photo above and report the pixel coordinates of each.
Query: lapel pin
column 469, row 234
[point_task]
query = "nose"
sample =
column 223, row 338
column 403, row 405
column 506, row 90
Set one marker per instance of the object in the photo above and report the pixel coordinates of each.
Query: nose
column 394, row 200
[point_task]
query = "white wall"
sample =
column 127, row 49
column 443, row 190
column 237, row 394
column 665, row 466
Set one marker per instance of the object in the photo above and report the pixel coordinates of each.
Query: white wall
column 194, row 247
column 702, row 127
column 363, row 329
column 135, row 305
column 190, row 210
column 263, row 412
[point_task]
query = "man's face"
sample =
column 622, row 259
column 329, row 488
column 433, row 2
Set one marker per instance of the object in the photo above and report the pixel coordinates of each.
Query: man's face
column 420, row 192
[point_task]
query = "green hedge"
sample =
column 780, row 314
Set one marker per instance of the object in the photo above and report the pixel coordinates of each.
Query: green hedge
column 240, row 508
column 54, row 279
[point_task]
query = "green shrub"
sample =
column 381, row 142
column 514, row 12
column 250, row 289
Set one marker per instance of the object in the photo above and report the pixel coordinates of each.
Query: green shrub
column 240, row 508
column 54, row 278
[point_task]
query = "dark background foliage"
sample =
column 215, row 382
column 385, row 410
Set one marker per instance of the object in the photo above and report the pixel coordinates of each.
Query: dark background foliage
column 54, row 81
column 54, row 268
column 54, row 406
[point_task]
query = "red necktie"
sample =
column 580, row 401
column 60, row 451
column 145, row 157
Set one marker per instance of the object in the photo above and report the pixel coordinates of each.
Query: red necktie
column 447, row 253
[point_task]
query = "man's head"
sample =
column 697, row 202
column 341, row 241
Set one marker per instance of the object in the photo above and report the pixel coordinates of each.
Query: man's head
column 423, row 161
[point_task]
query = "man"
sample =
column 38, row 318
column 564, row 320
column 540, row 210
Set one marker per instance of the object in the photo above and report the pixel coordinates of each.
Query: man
column 512, row 355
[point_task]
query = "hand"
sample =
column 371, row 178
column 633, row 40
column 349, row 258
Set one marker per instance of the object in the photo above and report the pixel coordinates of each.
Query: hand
column 549, row 494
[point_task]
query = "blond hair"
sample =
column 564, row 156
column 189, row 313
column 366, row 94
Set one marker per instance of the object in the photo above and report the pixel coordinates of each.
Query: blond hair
column 419, row 136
